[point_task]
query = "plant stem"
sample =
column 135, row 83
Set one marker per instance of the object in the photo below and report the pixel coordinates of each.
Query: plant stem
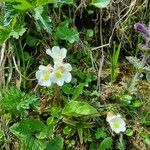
column 57, row 98
column 136, row 76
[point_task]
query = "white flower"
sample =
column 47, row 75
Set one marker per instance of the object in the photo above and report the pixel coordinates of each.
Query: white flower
column 61, row 73
column 43, row 75
column 57, row 54
column 116, row 123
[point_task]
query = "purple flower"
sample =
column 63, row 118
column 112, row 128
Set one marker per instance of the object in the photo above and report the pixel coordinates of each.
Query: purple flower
column 145, row 31
column 142, row 29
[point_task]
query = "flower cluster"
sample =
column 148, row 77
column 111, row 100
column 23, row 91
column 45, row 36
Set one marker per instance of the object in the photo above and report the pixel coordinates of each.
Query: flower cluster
column 145, row 31
column 116, row 123
column 59, row 73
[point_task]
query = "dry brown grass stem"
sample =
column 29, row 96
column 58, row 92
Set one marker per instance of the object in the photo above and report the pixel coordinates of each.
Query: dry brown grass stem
column 99, row 47
column 2, row 53
column 130, row 10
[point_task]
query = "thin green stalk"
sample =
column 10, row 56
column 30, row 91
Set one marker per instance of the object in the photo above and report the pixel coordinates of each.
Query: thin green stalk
column 57, row 98
column 114, row 62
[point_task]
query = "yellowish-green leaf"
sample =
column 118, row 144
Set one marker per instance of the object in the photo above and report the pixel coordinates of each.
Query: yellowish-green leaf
column 77, row 109
column 101, row 3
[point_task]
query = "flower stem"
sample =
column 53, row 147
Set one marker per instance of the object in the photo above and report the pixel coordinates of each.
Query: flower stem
column 57, row 98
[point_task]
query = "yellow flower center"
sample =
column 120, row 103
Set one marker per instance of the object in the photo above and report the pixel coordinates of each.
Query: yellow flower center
column 116, row 125
column 46, row 76
column 58, row 74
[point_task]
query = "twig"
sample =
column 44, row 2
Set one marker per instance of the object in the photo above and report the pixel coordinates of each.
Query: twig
column 101, row 61
column 16, row 67
column 2, row 53
column 35, row 88
column 98, row 47
column 131, row 7
column 2, row 62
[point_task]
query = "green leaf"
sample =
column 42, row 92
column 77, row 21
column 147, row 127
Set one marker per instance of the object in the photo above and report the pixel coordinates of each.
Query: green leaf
column 44, row 2
column 78, row 90
column 20, row 4
column 17, row 31
column 63, row 32
column 4, row 35
column 9, row 14
column 138, row 64
column 56, row 144
column 137, row 103
column 101, row 3
column 80, row 133
column 67, row 130
column 2, row 134
column 42, row 21
column 90, row 33
column 32, row 41
column 56, row 111
column 126, row 99
column 93, row 146
column 114, row 62
column 67, row 89
column 76, row 109
column 27, row 130
column 66, row 1
column 17, row 102
column 148, row 76
column 147, row 141
column 100, row 133
column 129, row 132
column 27, row 127
column 14, row 28
column 106, row 144
column 31, row 143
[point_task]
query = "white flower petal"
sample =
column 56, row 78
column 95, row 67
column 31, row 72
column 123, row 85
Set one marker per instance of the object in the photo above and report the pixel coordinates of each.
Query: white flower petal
column 49, row 52
column 123, row 128
column 59, row 65
column 56, row 51
column 43, row 75
column 38, row 73
column 110, row 115
column 58, row 61
column 42, row 67
column 109, row 118
column 57, row 54
column 54, row 79
column 63, row 53
column 68, row 66
column 117, row 124
column 67, row 77
column 60, row 82
column 116, row 130
column 118, row 116
column 44, row 83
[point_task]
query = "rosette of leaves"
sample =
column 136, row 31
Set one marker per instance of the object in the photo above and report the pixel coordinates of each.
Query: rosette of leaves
column 17, row 102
